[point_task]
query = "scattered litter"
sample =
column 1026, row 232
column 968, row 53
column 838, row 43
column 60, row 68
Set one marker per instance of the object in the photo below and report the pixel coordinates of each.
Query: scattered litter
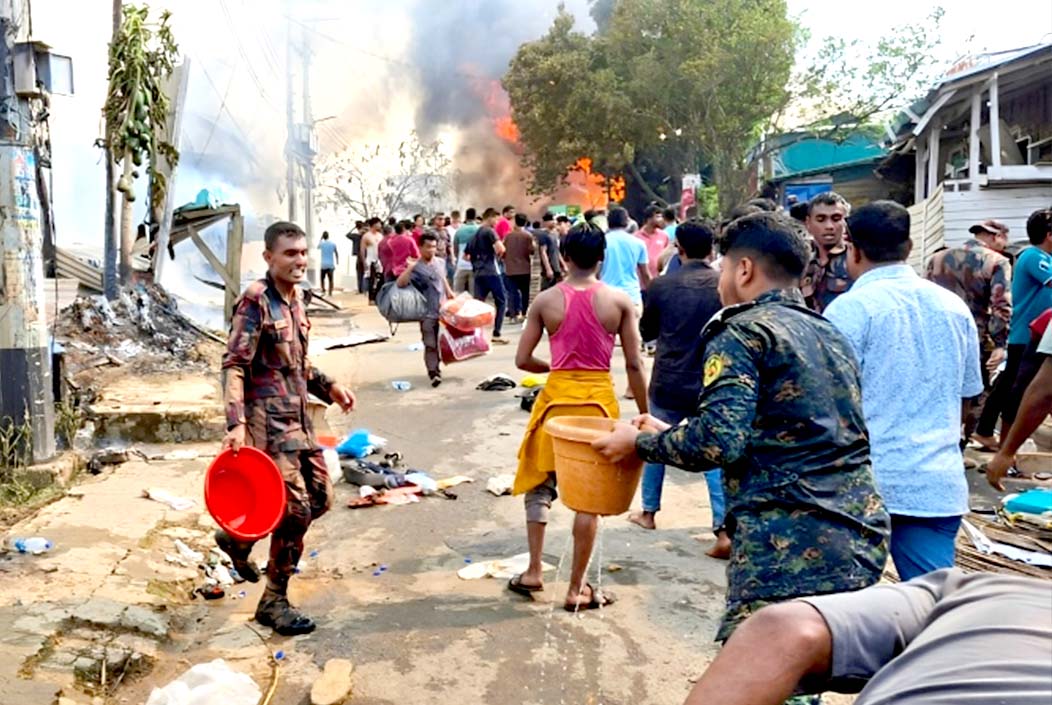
column 500, row 484
column 335, row 683
column 177, row 560
column 614, row 568
column 332, row 464
column 383, row 567
column 314, row 553
column 179, row 504
column 415, row 347
column 496, row 383
column 188, row 553
column 401, row 385
column 366, row 491
column 209, row 592
column 181, row 454
column 448, row 482
column 279, row 655
column 534, row 381
column 467, row 560
column 985, row 545
column 348, row 341
column 397, row 496
column 377, row 573
column 502, row 568
column 528, row 398
column 34, row 545
column 222, row 575
column 206, row 684
column 360, row 444
column 423, row 481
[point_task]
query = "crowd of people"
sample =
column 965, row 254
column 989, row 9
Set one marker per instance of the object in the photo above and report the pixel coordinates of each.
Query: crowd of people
column 822, row 386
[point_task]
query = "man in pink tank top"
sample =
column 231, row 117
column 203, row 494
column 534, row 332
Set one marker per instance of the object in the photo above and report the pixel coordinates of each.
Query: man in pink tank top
column 581, row 316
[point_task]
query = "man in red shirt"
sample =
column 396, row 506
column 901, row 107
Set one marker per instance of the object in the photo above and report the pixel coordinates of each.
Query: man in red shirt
column 396, row 249
column 654, row 238
column 503, row 226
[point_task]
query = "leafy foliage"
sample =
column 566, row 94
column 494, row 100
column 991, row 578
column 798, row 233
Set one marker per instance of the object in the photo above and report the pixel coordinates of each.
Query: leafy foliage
column 383, row 181
column 142, row 57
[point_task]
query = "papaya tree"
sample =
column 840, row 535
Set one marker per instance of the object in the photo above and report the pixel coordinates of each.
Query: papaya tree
column 142, row 57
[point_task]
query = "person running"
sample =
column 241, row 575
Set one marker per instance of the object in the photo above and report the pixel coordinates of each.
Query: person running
column 581, row 316
column 677, row 309
column 483, row 251
column 428, row 276
column 780, row 412
column 519, row 247
column 330, row 257
column 266, row 380
column 464, row 275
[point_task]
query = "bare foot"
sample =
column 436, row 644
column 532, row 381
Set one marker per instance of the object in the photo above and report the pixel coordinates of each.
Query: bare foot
column 988, row 443
column 722, row 548
column 643, row 519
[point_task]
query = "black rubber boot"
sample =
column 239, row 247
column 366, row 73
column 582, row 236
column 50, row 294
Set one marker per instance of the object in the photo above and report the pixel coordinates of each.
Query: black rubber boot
column 238, row 556
column 274, row 611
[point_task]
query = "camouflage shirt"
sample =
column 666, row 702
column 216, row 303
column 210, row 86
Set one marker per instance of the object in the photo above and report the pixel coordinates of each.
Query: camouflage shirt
column 781, row 413
column 266, row 374
column 823, row 283
column 983, row 278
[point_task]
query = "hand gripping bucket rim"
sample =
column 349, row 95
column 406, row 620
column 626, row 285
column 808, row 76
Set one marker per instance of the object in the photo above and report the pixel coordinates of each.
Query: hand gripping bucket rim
column 245, row 493
column 587, row 481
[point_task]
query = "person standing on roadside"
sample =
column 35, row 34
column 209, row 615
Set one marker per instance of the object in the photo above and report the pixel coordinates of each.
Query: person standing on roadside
column 266, row 380
column 483, row 252
column 519, row 247
column 505, row 222
column 428, row 276
column 677, row 309
column 370, row 253
column 909, row 334
column 548, row 252
column 826, row 276
column 655, row 239
column 464, row 275
column 330, row 257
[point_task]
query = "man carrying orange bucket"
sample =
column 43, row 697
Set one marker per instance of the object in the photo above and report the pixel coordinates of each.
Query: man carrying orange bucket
column 582, row 316
column 266, row 380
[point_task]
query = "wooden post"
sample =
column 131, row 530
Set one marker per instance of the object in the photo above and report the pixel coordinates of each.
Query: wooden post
column 973, row 137
column 920, row 160
column 934, row 134
column 995, row 124
column 234, row 240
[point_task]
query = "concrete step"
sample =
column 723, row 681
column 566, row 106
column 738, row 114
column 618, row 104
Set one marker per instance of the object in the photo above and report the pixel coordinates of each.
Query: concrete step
column 159, row 409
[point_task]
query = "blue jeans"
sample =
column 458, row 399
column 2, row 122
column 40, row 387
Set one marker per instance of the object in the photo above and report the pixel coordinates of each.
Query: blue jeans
column 654, row 476
column 486, row 284
column 920, row 545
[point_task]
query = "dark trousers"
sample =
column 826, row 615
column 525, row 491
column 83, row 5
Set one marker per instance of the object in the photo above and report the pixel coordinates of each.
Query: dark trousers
column 429, row 336
column 327, row 273
column 518, row 293
column 375, row 280
column 486, row 284
column 359, row 269
column 999, row 404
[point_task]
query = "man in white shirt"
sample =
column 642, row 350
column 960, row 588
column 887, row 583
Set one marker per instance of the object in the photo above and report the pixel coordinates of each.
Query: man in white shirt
column 919, row 352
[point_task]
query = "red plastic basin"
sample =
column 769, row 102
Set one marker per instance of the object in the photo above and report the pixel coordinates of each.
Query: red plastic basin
column 245, row 493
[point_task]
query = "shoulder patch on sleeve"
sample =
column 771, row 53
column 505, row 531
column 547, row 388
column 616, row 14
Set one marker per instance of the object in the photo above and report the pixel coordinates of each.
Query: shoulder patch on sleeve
column 713, row 368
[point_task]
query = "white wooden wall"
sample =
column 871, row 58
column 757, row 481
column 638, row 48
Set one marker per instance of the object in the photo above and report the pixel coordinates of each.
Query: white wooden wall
column 926, row 229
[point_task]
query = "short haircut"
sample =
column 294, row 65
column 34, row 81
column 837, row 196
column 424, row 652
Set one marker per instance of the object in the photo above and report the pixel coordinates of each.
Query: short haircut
column 590, row 213
column 774, row 240
column 358, row 223
column 695, row 237
column 428, row 237
column 471, row 214
column 798, row 211
column 521, row 220
column 325, row 235
column 505, row 209
column 375, row 221
column 764, row 204
column 1038, row 225
column 669, row 214
column 742, row 211
column 536, row 224
column 418, row 215
column 548, row 217
column 388, row 229
column 584, row 245
column 399, row 228
column 829, row 198
column 489, row 213
column 454, row 214
column 563, row 219
column 280, row 229
column 617, row 218
column 651, row 211
column 881, row 230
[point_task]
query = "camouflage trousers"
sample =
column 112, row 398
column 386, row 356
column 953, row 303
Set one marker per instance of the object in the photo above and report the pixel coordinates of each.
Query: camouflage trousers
column 309, row 495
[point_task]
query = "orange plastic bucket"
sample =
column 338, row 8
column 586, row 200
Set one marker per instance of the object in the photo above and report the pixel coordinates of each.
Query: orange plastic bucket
column 587, row 481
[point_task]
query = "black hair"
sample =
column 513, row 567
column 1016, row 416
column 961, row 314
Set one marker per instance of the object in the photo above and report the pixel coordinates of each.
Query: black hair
column 548, row 217
column 563, row 219
column 774, row 240
column 278, row 230
column 669, row 214
column 695, row 237
column 881, row 230
column 359, row 223
column 521, row 220
column 590, row 213
column 505, row 209
column 428, row 237
column 651, row 211
column 798, row 211
column 374, row 221
column 471, row 214
column 829, row 198
column 489, row 213
column 617, row 218
column 536, row 224
column 764, row 204
column 584, row 245
column 399, row 228
column 1039, row 225
column 418, row 215
column 742, row 211
column 392, row 220
column 325, row 235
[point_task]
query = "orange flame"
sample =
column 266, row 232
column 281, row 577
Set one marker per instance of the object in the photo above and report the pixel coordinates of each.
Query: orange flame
column 506, row 129
column 595, row 190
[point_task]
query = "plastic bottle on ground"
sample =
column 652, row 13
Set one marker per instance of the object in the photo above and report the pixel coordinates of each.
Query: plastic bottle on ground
column 35, row 545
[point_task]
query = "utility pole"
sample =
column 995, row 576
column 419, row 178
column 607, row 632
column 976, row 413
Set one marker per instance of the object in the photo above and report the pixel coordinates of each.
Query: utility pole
column 301, row 145
column 307, row 151
column 109, row 227
column 290, row 118
column 25, row 359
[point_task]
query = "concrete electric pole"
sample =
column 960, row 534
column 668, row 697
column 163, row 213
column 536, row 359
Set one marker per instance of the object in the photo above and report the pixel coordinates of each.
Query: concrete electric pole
column 25, row 358
column 302, row 144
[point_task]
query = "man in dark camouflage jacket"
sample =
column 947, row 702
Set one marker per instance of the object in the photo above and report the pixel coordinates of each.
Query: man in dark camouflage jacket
column 826, row 276
column 781, row 412
column 982, row 276
column 266, row 381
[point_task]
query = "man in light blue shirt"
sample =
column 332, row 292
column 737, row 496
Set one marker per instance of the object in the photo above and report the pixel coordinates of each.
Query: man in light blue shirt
column 625, row 260
column 329, row 258
column 919, row 352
